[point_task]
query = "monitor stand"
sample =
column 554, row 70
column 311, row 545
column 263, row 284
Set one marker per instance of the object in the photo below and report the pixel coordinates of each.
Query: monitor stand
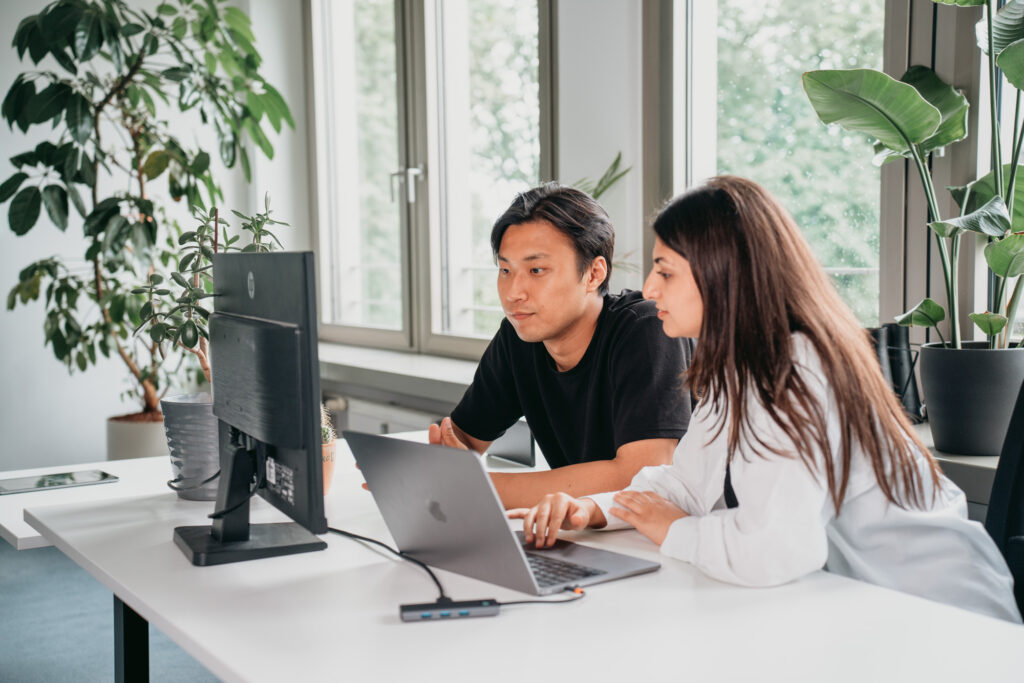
column 231, row 538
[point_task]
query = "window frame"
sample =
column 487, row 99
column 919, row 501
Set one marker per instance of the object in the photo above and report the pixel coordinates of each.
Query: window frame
column 419, row 220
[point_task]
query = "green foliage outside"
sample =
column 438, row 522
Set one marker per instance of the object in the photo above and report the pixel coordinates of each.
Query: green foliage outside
column 767, row 131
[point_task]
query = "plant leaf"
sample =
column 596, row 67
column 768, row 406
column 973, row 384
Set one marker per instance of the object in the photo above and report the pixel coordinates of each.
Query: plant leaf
column 1011, row 61
column 983, row 190
column 991, row 220
column 989, row 323
column 48, row 103
column 156, row 163
column 56, row 201
column 871, row 102
column 1006, row 256
column 952, row 106
column 200, row 164
column 1007, row 27
column 79, row 118
column 76, row 199
column 11, row 186
column 87, row 36
column 189, row 334
column 273, row 98
column 24, row 210
column 926, row 313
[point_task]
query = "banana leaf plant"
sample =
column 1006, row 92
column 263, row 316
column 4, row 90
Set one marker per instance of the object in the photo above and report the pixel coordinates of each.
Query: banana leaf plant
column 919, row 114
column 106, row 76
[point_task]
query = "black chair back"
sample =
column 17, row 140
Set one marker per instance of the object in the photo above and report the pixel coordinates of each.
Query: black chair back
column 1005, row 518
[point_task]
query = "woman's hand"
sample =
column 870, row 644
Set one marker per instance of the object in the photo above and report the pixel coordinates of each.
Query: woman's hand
column 651, row 514
column 557, row 511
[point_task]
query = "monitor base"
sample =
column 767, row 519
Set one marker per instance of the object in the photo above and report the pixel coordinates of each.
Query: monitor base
column 265, row 540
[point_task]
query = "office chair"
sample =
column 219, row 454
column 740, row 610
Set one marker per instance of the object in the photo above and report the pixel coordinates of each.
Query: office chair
column 1005, row 518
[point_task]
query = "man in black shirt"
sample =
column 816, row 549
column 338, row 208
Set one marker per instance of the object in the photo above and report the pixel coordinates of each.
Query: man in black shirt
column 598, row 381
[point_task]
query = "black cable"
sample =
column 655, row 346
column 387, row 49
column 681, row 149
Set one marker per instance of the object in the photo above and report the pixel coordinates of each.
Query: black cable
column 179, row 478
column 217, row 514
column 443, row 596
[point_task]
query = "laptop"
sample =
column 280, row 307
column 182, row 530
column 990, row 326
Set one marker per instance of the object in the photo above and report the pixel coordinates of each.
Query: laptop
column 441, row 508
column 515, row 445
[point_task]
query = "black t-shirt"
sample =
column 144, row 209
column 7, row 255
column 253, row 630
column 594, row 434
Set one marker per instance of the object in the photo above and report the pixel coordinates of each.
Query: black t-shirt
column 627, row 387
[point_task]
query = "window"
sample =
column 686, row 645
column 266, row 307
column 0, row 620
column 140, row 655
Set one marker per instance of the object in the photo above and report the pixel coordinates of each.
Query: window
column 746, row 114
column 1009, row 124
column 429, row 119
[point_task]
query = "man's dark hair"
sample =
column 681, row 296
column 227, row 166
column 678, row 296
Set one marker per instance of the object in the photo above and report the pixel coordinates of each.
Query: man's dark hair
column 574, row 213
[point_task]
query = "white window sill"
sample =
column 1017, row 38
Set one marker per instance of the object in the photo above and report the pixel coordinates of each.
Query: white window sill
column 408, row 374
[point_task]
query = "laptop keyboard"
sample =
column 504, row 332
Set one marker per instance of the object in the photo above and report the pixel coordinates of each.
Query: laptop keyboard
column 548, row 571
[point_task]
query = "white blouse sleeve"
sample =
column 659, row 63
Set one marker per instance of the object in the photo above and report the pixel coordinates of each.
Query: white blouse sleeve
column 693, row 483
column 776, row 535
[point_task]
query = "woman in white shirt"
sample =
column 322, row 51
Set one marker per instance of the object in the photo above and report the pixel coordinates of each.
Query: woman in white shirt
column 798, row 455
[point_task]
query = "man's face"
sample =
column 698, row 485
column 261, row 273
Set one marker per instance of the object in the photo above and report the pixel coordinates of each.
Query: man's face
column 539, row 282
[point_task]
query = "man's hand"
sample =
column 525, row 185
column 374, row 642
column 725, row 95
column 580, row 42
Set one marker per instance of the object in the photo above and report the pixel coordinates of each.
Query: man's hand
column 444, row 435
column 557, row 511
column 651, row 514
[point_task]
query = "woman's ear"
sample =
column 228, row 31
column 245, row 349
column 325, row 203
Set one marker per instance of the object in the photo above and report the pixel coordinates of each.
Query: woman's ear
column 596, row 273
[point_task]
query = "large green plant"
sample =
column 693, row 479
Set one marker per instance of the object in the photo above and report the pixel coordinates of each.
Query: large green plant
column 919, row 114
column 113, row 158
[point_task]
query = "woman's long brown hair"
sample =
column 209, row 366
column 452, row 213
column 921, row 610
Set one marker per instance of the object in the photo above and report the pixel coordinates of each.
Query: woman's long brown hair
column 760, row 284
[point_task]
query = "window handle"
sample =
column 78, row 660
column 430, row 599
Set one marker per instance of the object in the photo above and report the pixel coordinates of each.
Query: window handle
column 411, row 174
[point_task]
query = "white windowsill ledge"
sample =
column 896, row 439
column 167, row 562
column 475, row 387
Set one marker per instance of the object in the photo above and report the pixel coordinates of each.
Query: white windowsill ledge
column 410, row 374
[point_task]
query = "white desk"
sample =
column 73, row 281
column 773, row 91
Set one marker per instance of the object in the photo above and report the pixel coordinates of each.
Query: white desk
column 333, row 615
column 141, row 476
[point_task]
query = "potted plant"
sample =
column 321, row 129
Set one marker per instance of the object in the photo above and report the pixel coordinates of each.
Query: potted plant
column 969, row 386
column 328, row 446
column 113, row 159
column 175, row 315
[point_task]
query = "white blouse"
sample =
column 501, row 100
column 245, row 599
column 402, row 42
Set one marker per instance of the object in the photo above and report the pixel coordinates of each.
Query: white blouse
column 785, row 525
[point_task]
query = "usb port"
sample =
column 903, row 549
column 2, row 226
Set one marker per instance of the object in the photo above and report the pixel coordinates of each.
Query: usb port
column 463, row 612
column 445, row 613
column 426, row 615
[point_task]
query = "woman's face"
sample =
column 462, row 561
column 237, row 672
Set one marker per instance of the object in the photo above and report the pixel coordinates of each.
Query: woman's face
column 672, row 288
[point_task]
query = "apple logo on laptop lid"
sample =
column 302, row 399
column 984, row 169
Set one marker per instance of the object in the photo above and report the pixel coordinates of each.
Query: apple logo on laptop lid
column 435, row 511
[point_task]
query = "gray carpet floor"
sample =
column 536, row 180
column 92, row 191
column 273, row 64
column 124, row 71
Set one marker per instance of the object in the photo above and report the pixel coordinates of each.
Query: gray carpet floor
column 57, row 624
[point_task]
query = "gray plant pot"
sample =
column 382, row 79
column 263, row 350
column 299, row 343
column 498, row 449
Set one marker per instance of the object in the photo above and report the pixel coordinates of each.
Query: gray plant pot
column 969, row 394
column 193, row 440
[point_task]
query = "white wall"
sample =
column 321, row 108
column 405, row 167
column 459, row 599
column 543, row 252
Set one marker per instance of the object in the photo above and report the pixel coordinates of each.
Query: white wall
column 48, row 417
column 598, row 82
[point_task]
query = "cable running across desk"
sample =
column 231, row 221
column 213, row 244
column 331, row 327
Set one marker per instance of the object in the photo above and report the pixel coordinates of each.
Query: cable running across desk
column 443, row 600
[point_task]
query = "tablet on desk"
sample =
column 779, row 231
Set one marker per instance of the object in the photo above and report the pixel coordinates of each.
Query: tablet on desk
column 57, row 480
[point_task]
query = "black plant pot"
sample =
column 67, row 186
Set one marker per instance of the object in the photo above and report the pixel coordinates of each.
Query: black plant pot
column 969, row 394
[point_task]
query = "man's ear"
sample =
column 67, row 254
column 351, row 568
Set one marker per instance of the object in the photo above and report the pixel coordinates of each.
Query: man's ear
column 596, row 273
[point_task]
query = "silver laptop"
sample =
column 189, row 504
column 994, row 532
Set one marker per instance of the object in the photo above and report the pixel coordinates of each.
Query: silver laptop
column 441, row 508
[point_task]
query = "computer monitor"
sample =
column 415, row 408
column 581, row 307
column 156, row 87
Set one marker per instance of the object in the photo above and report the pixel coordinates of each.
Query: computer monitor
column 266, row 396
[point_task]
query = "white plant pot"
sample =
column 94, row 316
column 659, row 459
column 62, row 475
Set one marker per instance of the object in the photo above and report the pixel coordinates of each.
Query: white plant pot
column 135, row 439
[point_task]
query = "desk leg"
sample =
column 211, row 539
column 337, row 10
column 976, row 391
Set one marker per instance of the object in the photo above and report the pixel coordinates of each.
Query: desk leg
column 131, row 644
